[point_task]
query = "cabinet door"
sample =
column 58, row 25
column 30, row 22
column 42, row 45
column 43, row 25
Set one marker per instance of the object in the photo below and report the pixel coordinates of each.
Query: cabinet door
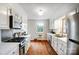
column 4, row 21
column 62, row 47
column 53, row 38
column 15, row 51
column 52, row 41
column 55, row 44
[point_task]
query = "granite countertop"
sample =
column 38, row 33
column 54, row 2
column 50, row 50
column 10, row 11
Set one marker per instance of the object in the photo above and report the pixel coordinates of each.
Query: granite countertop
column 9, row 38
column 64, row 39
column 6, row 48
column 50, row 34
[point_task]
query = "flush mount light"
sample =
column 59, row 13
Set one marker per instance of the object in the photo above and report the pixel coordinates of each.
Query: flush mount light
column 40, row 11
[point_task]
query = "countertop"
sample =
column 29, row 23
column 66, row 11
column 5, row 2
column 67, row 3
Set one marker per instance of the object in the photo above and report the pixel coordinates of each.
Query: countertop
column 64, row 39
column 9, row 38
column 6, row 48
column 50, row 34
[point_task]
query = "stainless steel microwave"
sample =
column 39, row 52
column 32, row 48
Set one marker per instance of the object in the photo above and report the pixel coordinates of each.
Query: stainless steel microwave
column 15, row 22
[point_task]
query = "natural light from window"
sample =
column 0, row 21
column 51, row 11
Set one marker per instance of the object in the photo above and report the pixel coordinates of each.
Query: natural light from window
column 40, row 27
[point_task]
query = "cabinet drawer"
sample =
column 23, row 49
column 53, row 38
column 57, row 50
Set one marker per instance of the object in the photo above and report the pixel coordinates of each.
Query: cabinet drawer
column 64, row 48
column 14, row 52
column 61, row 47
column 55, row 44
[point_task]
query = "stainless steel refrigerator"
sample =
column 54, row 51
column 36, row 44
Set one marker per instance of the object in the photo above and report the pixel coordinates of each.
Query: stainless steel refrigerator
column 73, row 34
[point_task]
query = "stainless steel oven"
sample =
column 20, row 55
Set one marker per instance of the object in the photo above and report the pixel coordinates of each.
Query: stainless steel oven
column 22, row 48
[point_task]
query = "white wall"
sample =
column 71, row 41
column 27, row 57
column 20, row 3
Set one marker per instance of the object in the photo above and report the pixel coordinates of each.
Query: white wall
column 32, row 28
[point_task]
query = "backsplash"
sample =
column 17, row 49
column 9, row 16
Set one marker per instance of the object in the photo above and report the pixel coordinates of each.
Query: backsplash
column 9, row 33
column 6, row 33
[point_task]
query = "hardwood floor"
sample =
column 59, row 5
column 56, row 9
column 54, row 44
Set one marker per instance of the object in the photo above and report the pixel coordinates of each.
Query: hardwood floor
column 40, row 48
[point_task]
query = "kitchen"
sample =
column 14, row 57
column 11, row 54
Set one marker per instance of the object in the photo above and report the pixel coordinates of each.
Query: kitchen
column 38, row 29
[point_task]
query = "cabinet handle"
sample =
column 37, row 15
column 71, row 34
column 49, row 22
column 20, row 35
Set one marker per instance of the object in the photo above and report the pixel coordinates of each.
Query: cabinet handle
column 13, row 53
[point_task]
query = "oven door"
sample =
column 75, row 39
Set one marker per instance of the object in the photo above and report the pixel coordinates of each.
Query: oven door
column 21, row 50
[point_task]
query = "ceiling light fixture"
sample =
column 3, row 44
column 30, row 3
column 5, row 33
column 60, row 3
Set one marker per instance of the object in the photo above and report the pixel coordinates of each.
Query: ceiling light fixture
column 40, row 11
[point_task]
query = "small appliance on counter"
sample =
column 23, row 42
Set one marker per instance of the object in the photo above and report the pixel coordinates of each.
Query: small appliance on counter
column 52, row 31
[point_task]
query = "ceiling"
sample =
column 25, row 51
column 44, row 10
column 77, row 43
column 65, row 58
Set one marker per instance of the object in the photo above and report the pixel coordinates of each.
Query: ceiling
column 53, row 10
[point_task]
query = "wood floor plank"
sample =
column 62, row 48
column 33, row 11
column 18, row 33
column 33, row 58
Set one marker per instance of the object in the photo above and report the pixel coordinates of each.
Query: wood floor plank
column 41, row 48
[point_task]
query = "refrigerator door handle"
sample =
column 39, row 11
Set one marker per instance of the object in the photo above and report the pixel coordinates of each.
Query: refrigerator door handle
column 74, row 41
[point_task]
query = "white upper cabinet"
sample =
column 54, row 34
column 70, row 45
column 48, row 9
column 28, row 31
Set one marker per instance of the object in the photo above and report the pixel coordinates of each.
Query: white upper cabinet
column 60, row 25
column 4, row 21
column 5, row 12
column 51, row 23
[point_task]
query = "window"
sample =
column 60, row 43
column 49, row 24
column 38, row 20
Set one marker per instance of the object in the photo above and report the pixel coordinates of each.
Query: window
column 40, row 27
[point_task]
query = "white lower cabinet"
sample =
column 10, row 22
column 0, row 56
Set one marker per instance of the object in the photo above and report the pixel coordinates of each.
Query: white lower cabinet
column 9, row 48
column 64, row 48
column 59, row 46
column 55, row 44
column 14, row 52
